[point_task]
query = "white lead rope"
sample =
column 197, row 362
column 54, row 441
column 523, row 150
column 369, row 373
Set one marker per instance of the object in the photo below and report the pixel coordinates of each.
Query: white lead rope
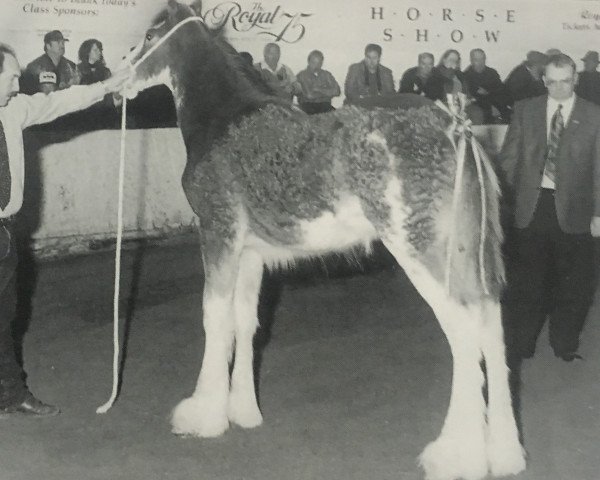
column 116, row 342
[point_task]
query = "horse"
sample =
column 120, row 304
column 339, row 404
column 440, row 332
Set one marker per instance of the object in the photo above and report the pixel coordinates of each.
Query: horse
column 271, row 185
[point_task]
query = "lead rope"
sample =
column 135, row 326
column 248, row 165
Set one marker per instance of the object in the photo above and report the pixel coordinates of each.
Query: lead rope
column 462, row 126
column 116, row 342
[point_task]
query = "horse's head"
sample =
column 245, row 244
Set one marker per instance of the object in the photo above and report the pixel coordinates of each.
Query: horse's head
column 150, row 58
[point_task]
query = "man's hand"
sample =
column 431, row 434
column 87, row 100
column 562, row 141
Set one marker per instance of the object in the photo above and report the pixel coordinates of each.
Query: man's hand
column 595, row 227
column 117, row 81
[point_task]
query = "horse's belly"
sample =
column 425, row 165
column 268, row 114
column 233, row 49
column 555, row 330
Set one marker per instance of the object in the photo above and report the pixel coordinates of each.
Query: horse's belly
column 343, row 228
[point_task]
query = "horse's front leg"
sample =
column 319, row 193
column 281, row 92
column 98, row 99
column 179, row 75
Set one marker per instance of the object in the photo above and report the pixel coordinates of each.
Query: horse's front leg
column 204, row 414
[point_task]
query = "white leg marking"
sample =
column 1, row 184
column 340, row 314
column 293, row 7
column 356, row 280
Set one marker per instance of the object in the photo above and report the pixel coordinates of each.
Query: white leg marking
column 505, row 453
column 204, row 414
column 243, row 408
column 459, row 451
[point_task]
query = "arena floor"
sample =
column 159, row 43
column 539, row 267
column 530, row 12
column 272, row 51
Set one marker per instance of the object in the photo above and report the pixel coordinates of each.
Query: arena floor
column 354, row 381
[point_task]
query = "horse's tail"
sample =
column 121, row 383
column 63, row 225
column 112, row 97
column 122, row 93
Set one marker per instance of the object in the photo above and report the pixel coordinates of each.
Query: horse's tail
column 474, row 253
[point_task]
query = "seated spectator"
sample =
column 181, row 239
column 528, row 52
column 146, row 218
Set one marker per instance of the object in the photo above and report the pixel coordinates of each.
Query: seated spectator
column 318, row 86
column 36, row 78
column 588, row 86
column 454, row 81
column 423, row 80
column 486, row 88
column 525, row 81
column 553, row 51
column 91, row 67
column 278, row 76
column 368, row 78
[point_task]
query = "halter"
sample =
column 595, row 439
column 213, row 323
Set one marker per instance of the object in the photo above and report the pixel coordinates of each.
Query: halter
column 461, row 129
column 116, row 342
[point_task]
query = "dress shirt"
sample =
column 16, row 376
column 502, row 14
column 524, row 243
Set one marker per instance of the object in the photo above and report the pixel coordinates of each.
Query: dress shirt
column 551, row 107
column 23, row 111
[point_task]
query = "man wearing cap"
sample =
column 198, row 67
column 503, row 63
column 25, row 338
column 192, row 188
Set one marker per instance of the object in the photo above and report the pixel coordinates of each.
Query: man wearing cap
column 51, row 71
column 551, row 159
column 588, row 86
column 525, row 81
column 18, row 112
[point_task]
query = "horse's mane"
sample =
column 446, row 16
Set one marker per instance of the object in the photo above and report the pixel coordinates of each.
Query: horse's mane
column 245, row 80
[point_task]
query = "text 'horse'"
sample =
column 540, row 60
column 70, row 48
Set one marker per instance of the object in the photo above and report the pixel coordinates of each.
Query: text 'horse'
column 271, row 185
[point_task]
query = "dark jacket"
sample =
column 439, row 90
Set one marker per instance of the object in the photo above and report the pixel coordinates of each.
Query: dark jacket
column 523, row 158
column 356, row 85
column 432, row 87
column 448, row 75
column 588, row 86
column 521, row 84
column 89, row 74
column 497, row 95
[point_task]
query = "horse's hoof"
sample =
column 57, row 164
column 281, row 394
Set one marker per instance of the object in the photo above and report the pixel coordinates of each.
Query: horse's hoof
column 452, row 459
column 243, row 411
column 506, row 460
column 199, row 417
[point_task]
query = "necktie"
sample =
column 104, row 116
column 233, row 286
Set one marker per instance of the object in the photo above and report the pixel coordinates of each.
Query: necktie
column 5, row 179
column 557, row 126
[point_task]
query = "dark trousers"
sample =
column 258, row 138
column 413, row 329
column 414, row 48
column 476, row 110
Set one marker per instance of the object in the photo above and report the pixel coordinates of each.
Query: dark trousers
column 550, row 273
column 12, row 383
column 315, row 108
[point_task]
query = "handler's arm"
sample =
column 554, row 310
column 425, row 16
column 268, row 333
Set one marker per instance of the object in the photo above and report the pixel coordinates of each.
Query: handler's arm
column 41, row 108
column 511, row 147
column 595, row 226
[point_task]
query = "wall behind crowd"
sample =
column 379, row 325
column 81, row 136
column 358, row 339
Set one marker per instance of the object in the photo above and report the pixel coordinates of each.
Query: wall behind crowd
column 505, row 29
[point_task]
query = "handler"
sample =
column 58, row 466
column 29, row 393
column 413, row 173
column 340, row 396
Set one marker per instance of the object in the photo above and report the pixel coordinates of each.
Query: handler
column 17, row 112
column 552, row 158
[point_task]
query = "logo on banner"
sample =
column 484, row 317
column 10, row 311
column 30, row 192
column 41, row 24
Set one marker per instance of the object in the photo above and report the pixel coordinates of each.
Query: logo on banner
column 276, row 22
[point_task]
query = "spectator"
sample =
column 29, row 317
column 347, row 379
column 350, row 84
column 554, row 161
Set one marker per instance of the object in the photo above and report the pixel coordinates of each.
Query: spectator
column 588, row 86
column 368, row 78
column 91, row 67
column 423, row 80
column 553, row 176
column 318, row 86
column 486, row 88
column 51, row 71
column 278, row 76
column 525, row 81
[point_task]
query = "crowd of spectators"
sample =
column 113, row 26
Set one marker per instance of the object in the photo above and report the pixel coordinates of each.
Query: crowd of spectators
column 490, row 99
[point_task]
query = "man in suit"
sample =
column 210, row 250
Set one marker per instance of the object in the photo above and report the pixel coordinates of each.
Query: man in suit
column 368, row 78
column 18, row 112
column 588, row 86
column 551, row 159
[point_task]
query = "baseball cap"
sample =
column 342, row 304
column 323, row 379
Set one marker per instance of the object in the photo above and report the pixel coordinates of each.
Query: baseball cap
column 54, row 36
column 47, row 77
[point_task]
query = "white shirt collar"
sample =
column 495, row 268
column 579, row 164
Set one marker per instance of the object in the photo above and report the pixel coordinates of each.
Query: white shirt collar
column 567, row 106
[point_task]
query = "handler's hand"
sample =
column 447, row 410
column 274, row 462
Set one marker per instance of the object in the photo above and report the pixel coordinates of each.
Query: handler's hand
column 595, row 227
column 117, row 81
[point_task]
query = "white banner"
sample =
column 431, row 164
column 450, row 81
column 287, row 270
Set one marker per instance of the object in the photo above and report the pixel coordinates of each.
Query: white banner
column 505, row 29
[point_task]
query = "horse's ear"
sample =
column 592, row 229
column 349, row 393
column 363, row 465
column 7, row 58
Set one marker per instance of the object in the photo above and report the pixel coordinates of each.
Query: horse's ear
column 172, row 9
column 196, row 6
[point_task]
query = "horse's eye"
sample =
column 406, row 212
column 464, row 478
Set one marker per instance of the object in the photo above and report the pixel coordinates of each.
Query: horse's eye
column 149, row 36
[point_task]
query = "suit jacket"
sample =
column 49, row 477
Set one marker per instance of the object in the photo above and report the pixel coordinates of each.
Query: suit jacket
column 355, row 86
column 523, row 158
column 521, row 84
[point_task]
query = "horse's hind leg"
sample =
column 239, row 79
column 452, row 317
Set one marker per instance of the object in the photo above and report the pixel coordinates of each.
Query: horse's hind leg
column 505, row 454
column 204, row 414
column 243, row 408
column 459, row 451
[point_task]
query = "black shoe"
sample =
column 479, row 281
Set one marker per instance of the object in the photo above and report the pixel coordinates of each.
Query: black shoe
column 569, row 356
column 32, row 407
